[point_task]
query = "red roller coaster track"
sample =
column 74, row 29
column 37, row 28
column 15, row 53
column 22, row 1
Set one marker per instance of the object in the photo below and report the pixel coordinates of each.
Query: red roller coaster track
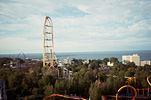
column 65, row 96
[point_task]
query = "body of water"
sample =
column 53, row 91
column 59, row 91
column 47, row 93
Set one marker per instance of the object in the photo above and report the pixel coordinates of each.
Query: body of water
column 144, row 55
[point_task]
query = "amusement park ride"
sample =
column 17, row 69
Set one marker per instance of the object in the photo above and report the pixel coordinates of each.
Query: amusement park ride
column 48, row 44
column 49, row 59
column 130, row 92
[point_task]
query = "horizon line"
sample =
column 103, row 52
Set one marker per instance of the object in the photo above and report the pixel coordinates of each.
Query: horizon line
column 75, row 51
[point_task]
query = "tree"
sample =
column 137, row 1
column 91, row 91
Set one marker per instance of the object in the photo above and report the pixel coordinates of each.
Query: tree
column 130, row 72
column 105, row 60
column 48, row 90
column 147, row 67
column 4, row 60
column 82, row 85
column 14, row 82
column 89, row 76
column 131, row 64
column 36, row 91
column 27, row 85
column 38, row 66
column 74, row 86
column 3, row 75
column 101, row 86
column 60, row 87
column 110, row 83
column 31, row 97
column 93, row 92
column 80, row 62
column 93, row 65
column 141, row 76
column 102, row 76
column 19, row 60
column 74, row 62
column 99, row 61
column 48, row 80
column 114, row 60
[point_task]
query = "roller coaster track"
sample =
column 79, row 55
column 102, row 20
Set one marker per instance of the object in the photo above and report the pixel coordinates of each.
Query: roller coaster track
column 117, row 94
column 22, row 54
column 130, row 97
column 148, row 80
column 48, row 44
column 65, row 96
column 127, row 86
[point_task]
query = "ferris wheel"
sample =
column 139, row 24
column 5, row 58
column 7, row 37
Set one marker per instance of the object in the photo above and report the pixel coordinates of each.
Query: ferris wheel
column 48, row 44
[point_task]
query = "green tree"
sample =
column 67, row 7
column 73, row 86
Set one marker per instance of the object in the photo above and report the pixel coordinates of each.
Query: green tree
column 48, row 90
column 105, row 60
column 31, row 97
column 14, row 82
column 141, row 77
column 80, row 62
column 131, row 64
column 114, row 60
column 147, row 67
column 101, row 86
column 36, row 91
column 102, row 76
column 89, row 76
column 99, row 61
column 60, row 87
column 4, row 60
column 110, row 83
column 38, row 67
column 94, row 64
column 19, row 60
column 130, row 72
column 48, row 80
column 94, row 92
column 3, row 75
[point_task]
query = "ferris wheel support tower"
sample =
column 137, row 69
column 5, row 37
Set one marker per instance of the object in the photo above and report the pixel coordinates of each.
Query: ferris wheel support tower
column 48, row 44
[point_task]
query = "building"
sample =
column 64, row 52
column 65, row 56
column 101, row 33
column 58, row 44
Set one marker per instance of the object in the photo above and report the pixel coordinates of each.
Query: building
column 60, row 64
column 67, row 61
column 110, row 64
column 13, row 64
column 131, row 58
column 145, row 62
column 87, row 61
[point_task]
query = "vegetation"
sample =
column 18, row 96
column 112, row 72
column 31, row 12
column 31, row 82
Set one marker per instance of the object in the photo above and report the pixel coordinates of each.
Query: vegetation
column 89, row 80
column 4, row 61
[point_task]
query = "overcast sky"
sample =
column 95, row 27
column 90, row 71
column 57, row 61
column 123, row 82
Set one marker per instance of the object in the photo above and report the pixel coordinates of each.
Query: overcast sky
column 79, row 25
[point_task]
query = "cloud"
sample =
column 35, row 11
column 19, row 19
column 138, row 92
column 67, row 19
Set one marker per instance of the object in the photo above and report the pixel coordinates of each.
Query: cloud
column 83, row 8
column 86, row 25
column 20, row 45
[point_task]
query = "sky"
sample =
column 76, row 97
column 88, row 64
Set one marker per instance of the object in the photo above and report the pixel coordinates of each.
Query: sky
column 78, row 25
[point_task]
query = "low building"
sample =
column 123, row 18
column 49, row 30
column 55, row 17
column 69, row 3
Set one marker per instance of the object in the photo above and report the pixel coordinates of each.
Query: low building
column 131, row 58
column 60, row 64
column 13, row 64
column 110, row 64
column 67, row 61
column 145, row 62
column 87, row 61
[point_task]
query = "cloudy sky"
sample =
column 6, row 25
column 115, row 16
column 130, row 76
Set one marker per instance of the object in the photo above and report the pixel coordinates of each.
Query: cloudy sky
column 79, row 25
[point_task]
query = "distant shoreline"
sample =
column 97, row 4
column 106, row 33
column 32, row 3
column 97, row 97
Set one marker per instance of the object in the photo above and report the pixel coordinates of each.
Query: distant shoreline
column 144, row 55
